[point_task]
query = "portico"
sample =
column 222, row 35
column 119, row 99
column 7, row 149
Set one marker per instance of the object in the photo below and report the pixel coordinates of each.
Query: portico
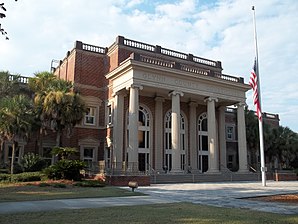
column 169, row 113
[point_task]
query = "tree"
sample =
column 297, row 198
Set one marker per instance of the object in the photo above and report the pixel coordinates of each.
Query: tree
column 283, row 146
column 252, row 133
column 9, row 86
column 15, row 120
column 2, row 15
column 57, row 106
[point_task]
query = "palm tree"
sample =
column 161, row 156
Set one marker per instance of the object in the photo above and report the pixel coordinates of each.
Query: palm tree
column 58, row 107
column 9, row 86
column 15, row 120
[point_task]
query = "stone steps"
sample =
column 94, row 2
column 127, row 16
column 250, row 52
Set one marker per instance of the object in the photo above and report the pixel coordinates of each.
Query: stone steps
column 199, row 178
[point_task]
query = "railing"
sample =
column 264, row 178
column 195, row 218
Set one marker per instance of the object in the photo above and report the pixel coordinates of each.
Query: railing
column 182, row 67
column 172, row 53
column 20, row 79
column 228, row 77
column 194, row 70
column 204, row 61
column 164, row 51
column 90, row 48
column 157, row 61
column 139, row 45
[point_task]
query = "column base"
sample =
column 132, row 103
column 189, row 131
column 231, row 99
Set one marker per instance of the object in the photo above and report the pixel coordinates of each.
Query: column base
column 213, row 171
column 243, row 171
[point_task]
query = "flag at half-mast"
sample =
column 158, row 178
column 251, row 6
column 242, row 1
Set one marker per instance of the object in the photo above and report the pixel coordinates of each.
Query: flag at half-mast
column 253, row 82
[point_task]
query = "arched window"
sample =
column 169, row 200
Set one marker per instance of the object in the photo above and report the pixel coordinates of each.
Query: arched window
column 144, row 139
column 203, row 148
column 168, row 141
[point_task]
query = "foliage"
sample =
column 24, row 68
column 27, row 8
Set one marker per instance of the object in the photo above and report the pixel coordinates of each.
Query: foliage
column 32, row 162
column 57, row 106
column 90, row 183
column 15, row 120
column 64, row 152
column 283, row 144
column 65, row 169
column 22, row 177
column 9, row 84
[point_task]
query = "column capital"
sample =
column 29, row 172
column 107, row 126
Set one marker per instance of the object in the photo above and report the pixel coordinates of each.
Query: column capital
column 134, row 86
column 210, row 99
column 174, row 93
column 118, row 93
column 241, row 104
column 159, row 99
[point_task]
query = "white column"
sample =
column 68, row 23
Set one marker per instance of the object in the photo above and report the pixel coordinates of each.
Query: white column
column 158, row 133
column 212, row 136
column 176, row 131
column 193, row 136
column 222, row 137
column 118, row 130
column 133, row 118
column 242, row 147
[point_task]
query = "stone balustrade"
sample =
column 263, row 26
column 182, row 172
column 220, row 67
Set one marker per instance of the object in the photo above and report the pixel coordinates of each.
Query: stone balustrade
column 20, row 79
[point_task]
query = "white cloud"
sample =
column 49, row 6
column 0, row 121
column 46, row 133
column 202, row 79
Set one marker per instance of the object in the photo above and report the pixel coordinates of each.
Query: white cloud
column 220, row 30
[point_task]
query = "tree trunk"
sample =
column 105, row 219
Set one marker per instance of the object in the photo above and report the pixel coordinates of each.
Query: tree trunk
column 1, row 151
column 12, row 157
column 58, row 138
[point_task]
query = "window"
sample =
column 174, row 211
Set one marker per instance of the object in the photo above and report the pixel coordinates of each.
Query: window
column 88, row 156
column 203, row 146
column 230, row 133
column 168, row 141
column 110, row 115
column 17, row 153
column 46, row 155
column 90, row 116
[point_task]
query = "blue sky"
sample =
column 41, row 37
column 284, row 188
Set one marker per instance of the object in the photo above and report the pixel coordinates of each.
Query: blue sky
column 222, row 30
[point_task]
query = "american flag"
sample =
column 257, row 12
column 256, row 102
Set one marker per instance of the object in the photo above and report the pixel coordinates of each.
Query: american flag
column 253, row 82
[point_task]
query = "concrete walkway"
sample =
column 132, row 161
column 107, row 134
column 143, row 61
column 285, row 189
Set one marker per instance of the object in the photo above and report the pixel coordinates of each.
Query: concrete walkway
column 215, row 194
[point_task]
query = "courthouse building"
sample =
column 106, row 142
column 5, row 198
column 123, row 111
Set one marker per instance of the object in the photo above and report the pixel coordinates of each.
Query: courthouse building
column 154, row 110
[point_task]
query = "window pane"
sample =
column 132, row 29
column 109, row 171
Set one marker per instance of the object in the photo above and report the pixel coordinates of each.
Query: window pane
column 204, row 125
column 141, row 139
column 205, row 143
column 88, row 153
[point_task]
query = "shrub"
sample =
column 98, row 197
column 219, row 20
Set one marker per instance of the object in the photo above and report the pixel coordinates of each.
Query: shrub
column 17, row 168
column 22, row 177
column 59, row 185
column 90, row 183
column 32, row 162
column 27, row 177
column 65, row 169
column 4, row 177
column 44, row 185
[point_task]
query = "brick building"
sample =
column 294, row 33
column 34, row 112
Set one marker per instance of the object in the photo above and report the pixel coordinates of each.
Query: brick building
column 154, row 110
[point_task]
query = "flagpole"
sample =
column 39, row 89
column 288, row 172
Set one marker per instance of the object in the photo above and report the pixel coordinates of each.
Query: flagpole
column 262, row 155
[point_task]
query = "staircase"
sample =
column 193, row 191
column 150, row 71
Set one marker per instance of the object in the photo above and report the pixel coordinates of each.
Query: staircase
column 203, row 177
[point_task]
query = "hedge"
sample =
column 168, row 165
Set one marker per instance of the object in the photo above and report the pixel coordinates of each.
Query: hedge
column 22, row 177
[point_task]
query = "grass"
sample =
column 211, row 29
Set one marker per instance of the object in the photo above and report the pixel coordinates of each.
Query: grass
column 158, row 213
column 34, row 192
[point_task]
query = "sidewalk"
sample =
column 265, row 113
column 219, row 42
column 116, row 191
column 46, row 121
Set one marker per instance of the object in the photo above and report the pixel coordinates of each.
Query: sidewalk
column 226, row 194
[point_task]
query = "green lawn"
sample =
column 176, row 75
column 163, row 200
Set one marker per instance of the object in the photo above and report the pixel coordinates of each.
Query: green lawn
column 32, row 192
column 159, row 213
